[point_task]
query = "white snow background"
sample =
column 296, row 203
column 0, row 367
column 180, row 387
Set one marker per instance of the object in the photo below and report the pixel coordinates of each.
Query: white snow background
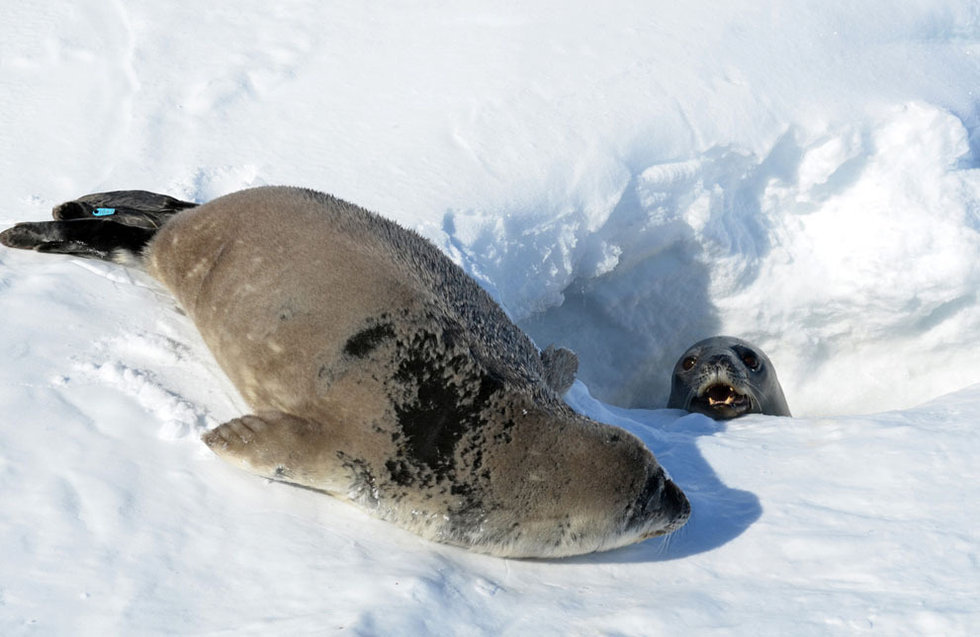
column 625, row 178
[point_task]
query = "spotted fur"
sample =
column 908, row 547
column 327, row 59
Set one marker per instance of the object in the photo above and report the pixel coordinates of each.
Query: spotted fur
column 380, row 373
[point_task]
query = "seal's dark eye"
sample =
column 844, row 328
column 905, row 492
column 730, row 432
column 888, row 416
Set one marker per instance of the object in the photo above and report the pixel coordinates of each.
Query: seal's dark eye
column 689, row 363
column 751, row 360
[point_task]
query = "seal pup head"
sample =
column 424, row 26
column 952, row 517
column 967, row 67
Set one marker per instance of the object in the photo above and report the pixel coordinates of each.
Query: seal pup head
column 724, row 377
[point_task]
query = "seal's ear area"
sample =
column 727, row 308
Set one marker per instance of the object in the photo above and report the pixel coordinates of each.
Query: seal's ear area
column 91, row 238
column 560, row 365
column 132, row 207
column 278, row 446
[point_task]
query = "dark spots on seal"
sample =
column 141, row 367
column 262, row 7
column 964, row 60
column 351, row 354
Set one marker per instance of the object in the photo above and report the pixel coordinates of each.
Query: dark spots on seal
column 400, row 473
column 469, row 512
column 464, row 490
column 443, row 411
column 440, row 399
column 472, row 453
column 504, row 436
column 365, row 341
column 281, row 471
column 326, row 374
column 561, row 531
column 363, row 487
column 433, row 425
column 286, row 312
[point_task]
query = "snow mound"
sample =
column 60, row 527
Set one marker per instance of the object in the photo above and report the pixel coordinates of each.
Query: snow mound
column 847, row 253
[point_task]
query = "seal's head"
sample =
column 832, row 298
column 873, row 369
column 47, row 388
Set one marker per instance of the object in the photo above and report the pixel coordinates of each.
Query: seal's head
column 561, row 484
column 725, row 377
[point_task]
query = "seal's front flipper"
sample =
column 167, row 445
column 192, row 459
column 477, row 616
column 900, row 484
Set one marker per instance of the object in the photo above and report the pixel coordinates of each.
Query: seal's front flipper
column 560, row 365
column 279, row 446
column 92, row 238
column 132, row 207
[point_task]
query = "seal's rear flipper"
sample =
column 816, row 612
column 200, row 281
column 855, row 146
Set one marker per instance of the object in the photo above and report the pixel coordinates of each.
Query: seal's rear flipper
column 281, row 447
column 92, row 238
column 132, row 207
column 113, row 226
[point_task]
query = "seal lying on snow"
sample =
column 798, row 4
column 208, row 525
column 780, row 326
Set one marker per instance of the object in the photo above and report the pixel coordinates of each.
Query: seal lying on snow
column 725, row 377
column 380, row 373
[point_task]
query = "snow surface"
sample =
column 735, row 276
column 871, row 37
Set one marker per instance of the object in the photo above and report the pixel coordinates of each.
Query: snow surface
column 626, row 178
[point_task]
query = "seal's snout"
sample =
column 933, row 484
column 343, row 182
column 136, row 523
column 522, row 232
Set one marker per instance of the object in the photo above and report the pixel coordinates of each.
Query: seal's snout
column 722, row 359
column 722, row 367
column 675, row 501
column 723, row 391
column 661, row 506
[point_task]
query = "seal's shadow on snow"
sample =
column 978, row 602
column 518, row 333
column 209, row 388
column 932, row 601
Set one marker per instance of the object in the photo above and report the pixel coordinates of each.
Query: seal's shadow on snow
column 719, row 513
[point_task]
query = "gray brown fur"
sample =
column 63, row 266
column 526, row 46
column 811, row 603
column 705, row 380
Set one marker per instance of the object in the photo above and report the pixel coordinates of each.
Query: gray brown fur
column 380, row 373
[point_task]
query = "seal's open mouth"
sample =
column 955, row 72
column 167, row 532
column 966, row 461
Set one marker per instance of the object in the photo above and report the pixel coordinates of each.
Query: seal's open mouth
column 723, row 397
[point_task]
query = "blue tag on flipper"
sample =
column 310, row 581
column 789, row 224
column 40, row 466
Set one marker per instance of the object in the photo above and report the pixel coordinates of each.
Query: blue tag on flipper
column 104, row 212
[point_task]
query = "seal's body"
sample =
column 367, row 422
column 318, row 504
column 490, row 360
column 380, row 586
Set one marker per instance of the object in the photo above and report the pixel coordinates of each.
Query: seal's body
column 725, row 377
column 380, row 373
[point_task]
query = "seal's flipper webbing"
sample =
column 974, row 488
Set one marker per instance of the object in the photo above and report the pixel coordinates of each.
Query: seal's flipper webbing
column 281, row 447
column 131, row 207
column 92, row 238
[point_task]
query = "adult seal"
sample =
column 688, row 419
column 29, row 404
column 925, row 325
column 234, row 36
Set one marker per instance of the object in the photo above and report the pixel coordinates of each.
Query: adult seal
column 725, row 377
column 378, row 372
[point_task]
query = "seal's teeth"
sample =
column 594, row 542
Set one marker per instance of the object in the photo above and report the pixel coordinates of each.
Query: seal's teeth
column 721, row 395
